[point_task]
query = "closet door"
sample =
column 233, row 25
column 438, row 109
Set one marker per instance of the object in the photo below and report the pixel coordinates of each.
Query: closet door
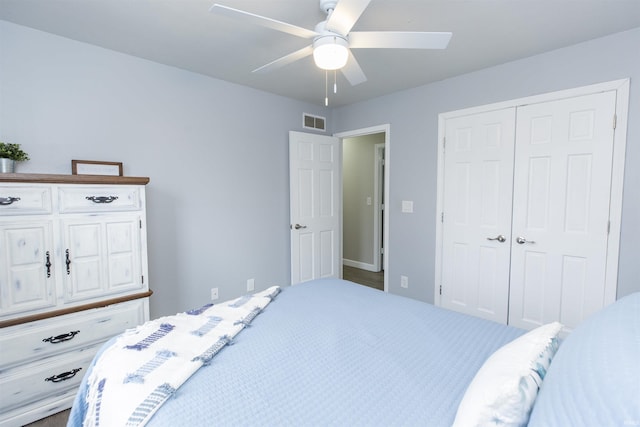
column 478, row 165
column 562, row 181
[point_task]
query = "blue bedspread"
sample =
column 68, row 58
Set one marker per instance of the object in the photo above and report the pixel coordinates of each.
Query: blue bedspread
column 330, row 352
column 594, row 380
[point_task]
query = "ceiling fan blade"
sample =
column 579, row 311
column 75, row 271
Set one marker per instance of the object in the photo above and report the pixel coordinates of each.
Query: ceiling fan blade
column 241, row 15
column 285, row 60
column 345, row 15
column 353, row 72
column 398, row 40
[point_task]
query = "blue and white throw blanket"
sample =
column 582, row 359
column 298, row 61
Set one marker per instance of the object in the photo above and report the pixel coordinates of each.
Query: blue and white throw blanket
column 145, row 366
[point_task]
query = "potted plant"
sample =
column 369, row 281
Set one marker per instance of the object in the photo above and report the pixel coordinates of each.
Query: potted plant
column 9, row 155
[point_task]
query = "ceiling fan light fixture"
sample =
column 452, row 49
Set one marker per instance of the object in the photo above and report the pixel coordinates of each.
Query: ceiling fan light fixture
column 330, row 52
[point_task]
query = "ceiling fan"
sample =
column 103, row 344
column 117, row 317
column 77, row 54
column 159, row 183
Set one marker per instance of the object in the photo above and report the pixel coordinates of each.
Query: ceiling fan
column 333, row 38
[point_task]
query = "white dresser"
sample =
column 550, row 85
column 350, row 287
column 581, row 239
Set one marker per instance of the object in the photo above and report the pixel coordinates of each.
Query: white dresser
column 73, row 273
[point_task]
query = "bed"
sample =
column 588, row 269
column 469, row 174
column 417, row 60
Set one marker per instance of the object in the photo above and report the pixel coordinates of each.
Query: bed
column 330, row 352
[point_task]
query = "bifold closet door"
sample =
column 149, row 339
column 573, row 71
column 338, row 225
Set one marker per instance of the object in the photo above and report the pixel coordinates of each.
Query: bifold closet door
column 477, row 213
column 562, row 184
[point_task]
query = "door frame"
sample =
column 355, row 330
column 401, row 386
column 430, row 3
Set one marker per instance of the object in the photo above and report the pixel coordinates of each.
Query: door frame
column 619, row 152
column 378, row 202
column 386, row 129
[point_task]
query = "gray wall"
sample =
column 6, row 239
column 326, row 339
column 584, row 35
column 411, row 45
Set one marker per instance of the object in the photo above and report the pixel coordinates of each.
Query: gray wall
column 413, row 119
column 358, row 165
column 216, row 153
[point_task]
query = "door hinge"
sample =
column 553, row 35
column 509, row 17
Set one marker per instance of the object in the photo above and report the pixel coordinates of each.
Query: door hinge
column 140, row 221
column 444, row 143
column 615, row 120
column 381, row 251
column 608, row 227
column 382, row 207
column 440, row 289
column 442, row 217
column 142, row 278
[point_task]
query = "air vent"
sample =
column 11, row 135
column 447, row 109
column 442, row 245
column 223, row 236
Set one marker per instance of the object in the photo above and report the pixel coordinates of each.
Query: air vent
column 310, row 121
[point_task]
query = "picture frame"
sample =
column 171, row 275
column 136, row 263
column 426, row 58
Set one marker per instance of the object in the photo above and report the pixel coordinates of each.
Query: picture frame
column 96, row 167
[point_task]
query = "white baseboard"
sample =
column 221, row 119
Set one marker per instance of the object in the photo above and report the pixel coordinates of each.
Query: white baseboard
column 359, row 264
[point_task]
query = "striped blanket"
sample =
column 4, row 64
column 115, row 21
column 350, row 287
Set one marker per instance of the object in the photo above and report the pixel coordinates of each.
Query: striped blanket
column 145, row 366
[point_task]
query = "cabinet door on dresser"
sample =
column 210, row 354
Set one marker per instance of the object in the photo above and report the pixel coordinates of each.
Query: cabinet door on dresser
column 27, row 274
column 102, row 255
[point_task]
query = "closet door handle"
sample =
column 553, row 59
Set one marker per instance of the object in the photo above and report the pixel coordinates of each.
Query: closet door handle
column 298, row 226
column 500, row 238
column 522, row 240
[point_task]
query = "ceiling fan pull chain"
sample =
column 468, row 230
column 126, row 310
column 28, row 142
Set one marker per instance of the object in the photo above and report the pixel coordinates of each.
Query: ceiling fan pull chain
column 326, row 88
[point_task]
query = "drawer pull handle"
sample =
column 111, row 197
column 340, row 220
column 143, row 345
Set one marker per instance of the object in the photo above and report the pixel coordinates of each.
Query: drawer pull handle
column 67, row 261
column 4, row 201
column 48, row 263
column 61, row 338
column 102, row 199
column 63, row 376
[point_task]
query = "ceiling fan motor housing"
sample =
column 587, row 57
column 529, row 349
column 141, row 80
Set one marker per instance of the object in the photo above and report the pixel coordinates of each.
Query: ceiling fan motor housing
column 330, row 51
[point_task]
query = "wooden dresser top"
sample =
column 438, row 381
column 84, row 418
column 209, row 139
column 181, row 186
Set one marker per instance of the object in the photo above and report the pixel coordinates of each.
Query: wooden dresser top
column 72, row 179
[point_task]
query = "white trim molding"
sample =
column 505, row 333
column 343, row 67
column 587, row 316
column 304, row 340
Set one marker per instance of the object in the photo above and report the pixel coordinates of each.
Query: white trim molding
column 386, row 128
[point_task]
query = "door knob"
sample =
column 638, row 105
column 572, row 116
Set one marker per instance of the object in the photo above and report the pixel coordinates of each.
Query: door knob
column 522, row 240
column 298, row 226
column 500, row 238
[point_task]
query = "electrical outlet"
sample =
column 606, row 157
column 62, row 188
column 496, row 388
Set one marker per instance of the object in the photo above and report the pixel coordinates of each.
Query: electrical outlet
column 404, row 282
column 251, row 285
column 214, row 294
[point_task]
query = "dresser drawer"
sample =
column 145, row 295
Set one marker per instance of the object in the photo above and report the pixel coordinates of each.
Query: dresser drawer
column 54, row 376
column 45, row 338
column 80, row 199
column 24, row 200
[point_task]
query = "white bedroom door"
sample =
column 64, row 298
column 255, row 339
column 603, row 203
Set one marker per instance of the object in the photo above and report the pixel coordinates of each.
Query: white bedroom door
column 477, row 213
column 314, row 177
column 562, row 185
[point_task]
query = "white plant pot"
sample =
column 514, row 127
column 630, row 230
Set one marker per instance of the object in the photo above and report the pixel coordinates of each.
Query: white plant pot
column 7, row 165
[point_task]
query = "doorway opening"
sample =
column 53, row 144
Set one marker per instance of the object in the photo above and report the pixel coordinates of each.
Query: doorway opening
column 364, row 223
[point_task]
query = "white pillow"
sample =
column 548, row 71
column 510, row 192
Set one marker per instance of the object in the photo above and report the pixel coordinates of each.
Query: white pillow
column 505, row 388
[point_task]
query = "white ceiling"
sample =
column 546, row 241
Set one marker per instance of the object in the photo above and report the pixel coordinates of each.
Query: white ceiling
column 183, row 33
